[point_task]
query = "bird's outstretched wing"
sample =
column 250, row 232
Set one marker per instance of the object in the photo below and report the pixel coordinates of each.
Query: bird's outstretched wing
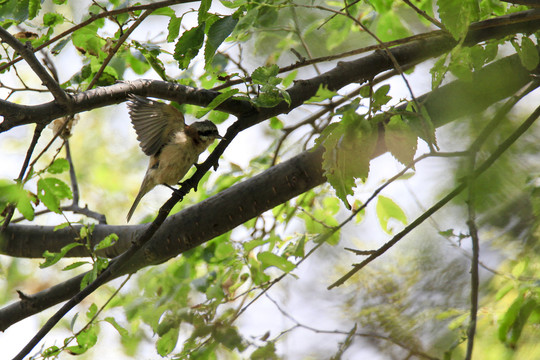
column 154, row 122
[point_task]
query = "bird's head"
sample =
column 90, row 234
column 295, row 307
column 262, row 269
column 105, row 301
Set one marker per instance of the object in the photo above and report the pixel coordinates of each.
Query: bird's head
column 203, row 131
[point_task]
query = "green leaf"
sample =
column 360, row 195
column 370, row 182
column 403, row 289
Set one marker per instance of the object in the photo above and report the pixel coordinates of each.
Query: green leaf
column 61, row 226
column 461, row 63
column 52, row 258
column 224, row 250
column 216, row 102
column 387, row 209
column 86, row 339
column 75, row 265
column 288, row 80
column 266, row 352
column 400, row 140
column 271, row 96
column 265, row 75
column 252, row 244
column 92, row 311
column 348, row 148
column 390, row 27
column 86, row 39
column 58, row 166
column 218, row 32
column 515, row 318
column 150, row 53
column 322, row 94
column 268, row 259
column 51, row 191
column 276, row 124
column 123, row 332
column 16, row 10
column 173, row 28
column 166, row 343
column 15, row 194
column 203, row 10
column 456, row 15
column 528, row 54
column 188, row 46
column 33, row 8
column 51, row 351
column 52, row 19
column 109, row 240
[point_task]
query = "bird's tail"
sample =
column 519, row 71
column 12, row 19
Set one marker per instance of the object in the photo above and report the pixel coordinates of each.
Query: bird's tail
column 142, row 191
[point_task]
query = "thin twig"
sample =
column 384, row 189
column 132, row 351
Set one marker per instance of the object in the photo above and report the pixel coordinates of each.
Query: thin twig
column 425, row 15
column 27, row 54
column 119, row 43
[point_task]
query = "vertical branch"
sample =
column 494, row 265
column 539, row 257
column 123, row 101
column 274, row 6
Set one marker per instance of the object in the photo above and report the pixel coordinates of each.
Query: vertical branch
column 473, row 232
column 72, row 175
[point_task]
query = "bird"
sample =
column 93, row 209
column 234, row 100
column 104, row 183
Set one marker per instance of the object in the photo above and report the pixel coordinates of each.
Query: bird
column 173, row 146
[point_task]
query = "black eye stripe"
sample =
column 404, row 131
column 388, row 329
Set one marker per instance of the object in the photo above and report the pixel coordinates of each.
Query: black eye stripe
column 207, row 132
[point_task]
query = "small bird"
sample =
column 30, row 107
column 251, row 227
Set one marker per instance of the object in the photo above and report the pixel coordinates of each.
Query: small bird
column 172, row 145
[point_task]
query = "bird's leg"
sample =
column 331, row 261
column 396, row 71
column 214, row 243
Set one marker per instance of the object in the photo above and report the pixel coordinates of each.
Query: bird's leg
column 175, row 190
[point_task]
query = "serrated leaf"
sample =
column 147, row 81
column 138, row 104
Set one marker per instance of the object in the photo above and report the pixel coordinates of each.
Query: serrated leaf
column 348, row 148
column 387, row 209
column 216, row 102
column 265, row 75
column 51, row 191
column 188, row 46
column 203, row 10
column 58, row 166
column 174, row 28
column 218, row 32
column 52, row 258
column 400, row 140
column 269, row 259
